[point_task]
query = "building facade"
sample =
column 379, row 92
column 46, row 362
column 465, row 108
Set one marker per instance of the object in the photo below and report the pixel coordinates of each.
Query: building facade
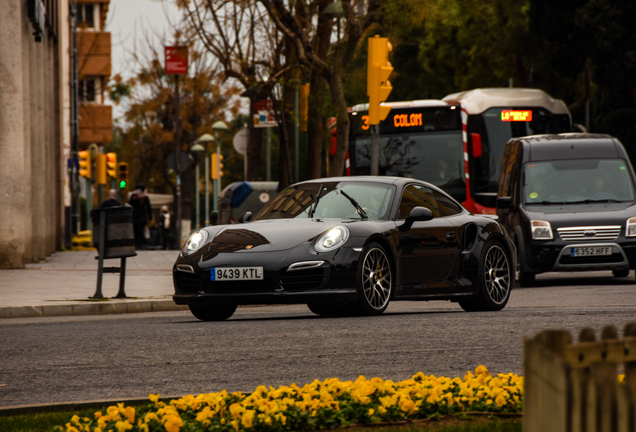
column 37, row 144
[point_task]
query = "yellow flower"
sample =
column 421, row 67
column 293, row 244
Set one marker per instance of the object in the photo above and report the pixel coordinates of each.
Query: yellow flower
column 500, row 400
column 407, row 405
column 123, row 426
column 173, row 424
column 370, row 412
column 154, row 398
column 248, row 418
column 98, row 414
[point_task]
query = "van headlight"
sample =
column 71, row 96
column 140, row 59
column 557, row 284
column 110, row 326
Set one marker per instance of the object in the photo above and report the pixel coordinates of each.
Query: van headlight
column 331, row 239
column 631, row 227
column 541, row 230
column 194, row 243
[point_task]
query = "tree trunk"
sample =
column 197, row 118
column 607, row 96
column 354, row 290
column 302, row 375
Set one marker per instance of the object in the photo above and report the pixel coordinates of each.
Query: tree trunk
column 343, row 125
column 254, row 147
column 284, row 134
column 313, row 161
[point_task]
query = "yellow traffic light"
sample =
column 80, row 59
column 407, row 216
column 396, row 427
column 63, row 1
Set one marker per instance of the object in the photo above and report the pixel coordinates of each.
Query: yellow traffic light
column 378, row 84
column 122, row 176
column 111, row 165
column 84, row 162
column 100, row 169
column 217, row 166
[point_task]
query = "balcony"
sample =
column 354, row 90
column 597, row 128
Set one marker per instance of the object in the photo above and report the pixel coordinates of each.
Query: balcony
column 95, row 124
column 93, row 54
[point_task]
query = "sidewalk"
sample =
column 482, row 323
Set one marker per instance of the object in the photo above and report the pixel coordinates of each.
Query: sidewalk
column 62, row 284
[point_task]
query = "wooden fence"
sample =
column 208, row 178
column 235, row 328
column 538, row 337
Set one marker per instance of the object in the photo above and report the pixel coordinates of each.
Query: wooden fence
column 574, row 387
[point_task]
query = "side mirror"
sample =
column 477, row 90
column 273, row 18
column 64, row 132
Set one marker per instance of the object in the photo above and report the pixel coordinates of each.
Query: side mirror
column 418, row 214
column 245, row 217
column 504, row 203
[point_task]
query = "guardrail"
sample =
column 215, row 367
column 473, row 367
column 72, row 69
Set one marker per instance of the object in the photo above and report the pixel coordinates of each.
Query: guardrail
column 575, row 387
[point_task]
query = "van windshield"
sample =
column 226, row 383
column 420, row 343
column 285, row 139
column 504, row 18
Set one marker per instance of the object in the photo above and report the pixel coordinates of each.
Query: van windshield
column 577, row 181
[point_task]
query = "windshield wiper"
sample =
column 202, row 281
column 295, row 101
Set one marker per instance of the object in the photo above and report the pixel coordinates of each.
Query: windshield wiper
column 312, row 210
column 547, row 203
column 361, row 211
column 588, row 201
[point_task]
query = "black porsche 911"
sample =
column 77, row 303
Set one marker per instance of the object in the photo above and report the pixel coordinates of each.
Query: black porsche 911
column 347, row 246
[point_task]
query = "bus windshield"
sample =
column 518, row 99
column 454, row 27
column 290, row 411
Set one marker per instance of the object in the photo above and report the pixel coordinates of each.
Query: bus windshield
column 497, row 126
column 421, row 143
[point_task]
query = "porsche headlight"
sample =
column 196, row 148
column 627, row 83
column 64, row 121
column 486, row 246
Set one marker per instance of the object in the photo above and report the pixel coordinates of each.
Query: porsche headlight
column 541, row 230
column 332, row 239
column 631, row 227
column 196, row 240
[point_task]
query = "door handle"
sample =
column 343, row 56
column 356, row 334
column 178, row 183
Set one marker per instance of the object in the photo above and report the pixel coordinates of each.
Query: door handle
column 450, row 236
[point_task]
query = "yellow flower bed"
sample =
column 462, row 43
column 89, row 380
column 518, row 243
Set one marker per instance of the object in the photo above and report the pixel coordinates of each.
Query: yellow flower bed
column 320, row 405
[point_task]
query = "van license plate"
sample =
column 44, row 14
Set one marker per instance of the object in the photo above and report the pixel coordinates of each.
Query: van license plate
column 590, row 251
column 236, row 273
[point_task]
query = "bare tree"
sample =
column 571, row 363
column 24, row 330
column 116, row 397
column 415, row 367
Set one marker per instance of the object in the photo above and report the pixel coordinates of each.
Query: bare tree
column 305, row 25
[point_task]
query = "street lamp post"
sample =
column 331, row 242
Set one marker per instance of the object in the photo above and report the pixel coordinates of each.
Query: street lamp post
column 197, row 148
column 219, row 128
column 205, row 139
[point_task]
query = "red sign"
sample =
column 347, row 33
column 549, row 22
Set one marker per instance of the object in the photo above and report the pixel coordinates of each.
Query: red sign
column 516, row 115
column 176, row 58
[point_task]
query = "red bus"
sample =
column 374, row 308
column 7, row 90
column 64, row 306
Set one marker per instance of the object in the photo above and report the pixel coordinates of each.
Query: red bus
column 456, row 143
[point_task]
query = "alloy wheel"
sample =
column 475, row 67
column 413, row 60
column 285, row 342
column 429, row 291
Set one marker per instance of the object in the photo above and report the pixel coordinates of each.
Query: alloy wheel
column 497, row 274
column 376, row 279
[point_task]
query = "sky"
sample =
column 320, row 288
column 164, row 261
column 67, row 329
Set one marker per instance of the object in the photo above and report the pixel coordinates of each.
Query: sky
column 128, row 21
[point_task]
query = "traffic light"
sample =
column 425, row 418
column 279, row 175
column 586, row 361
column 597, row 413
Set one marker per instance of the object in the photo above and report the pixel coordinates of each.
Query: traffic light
column 216, row 166
column 122, row 176
column 111, row 165
column 84, row 163
column 378, row 84
column 100, row 169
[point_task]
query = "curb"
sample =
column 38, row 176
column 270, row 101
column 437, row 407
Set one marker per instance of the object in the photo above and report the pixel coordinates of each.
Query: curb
column 101, row 308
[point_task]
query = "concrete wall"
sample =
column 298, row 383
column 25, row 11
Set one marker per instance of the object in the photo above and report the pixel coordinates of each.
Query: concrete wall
column 30, row 145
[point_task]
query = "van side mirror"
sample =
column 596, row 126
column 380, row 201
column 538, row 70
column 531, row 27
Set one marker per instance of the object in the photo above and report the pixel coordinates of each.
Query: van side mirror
column 475, row 139
column 504, row 203
column 245, row 217
column 417, row 214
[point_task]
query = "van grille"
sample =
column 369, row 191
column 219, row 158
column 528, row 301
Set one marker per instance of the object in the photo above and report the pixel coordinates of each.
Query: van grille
column 589, row 233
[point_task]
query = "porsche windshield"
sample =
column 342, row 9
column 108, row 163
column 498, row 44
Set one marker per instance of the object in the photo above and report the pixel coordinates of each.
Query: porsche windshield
column 343, row 200
column 577, row 181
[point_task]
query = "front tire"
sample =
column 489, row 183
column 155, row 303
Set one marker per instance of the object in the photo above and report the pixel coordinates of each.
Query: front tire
column 217, row 312
column 495, row 280
column 375, row 280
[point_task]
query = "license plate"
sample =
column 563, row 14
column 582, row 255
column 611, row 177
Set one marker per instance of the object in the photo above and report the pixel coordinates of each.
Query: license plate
column 236, row 273
column 590, row 251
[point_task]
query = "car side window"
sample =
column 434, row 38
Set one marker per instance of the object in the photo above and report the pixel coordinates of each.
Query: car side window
column 446, row 206
column 417, row 196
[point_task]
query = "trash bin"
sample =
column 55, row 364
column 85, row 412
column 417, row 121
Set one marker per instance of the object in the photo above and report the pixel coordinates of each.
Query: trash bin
column 115, row 226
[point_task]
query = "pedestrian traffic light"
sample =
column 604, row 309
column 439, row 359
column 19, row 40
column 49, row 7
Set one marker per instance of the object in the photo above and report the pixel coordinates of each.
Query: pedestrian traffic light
column 100, row 169
column 122, row 168
column 111, row 165
column 217, row 166
column 84, row 163
column 378, row 84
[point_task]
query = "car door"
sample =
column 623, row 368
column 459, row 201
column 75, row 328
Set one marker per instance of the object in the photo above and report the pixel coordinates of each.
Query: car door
column 428, row 249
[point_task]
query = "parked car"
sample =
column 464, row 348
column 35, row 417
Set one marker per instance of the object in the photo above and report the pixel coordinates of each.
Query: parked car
column 567, row 201
column 345, row 246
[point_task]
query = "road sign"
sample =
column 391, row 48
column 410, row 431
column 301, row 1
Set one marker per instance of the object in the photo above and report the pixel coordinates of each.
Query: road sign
column 240, row 141
column 176, row 60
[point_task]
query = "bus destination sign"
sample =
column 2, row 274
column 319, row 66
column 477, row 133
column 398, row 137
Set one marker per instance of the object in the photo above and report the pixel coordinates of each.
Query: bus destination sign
column 516, row 115
column 426, row 119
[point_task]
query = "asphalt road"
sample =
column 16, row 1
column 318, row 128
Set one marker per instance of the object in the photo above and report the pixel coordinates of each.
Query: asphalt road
column 56, row 360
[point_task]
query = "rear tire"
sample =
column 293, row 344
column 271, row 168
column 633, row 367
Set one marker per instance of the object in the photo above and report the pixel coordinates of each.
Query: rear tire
column 217, row 312
column 495, row 280
column 375, row 280
column 620, row 273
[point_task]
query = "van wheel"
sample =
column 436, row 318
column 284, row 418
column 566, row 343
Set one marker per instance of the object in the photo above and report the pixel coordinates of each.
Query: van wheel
column 620, row 273
column 526, row 279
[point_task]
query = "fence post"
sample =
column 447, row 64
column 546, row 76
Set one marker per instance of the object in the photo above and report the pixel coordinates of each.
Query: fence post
column 579, row 389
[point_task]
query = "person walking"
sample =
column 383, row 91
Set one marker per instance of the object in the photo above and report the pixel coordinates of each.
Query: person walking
column 166, row 224
column 142, row 213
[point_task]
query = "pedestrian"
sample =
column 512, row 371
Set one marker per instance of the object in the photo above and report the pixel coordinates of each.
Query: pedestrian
column 142, row 213
column 166, row 224
column 111, row 201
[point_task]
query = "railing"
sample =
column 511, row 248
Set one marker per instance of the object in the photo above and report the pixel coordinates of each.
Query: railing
column 575, row 387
